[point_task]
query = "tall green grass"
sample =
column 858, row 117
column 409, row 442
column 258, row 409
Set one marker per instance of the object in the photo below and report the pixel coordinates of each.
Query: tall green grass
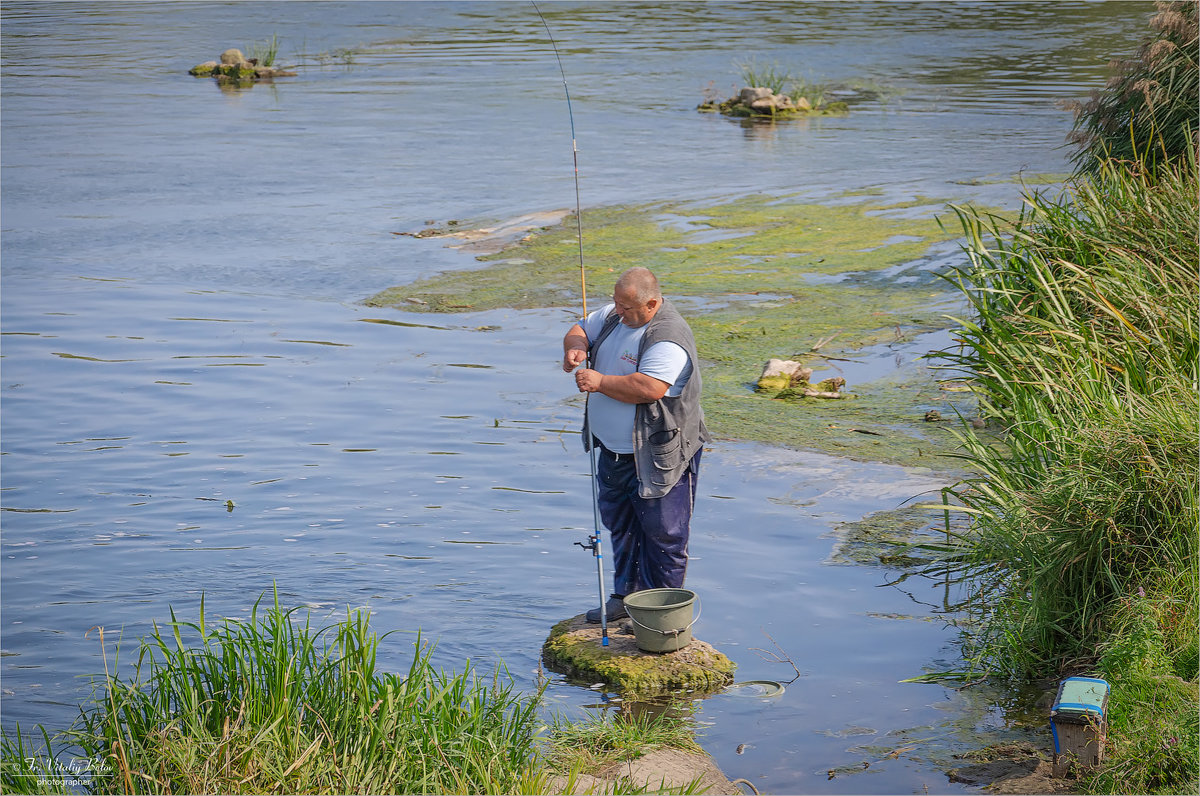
column 1083, row 347
column 274, row 705
column 1154, row 723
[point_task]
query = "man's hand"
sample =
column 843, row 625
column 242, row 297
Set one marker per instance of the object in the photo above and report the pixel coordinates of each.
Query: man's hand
column 588, row 380
column 573, row 358
column 575, row 348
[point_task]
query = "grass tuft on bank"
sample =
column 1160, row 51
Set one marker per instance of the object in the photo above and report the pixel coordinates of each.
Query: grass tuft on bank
column 599, row 743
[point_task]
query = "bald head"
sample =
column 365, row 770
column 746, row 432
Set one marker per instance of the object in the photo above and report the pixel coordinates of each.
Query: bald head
column 636, row 297
column 640, row 284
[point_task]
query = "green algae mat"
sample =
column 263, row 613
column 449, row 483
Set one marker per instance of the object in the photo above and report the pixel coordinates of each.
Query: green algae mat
column 760, row 277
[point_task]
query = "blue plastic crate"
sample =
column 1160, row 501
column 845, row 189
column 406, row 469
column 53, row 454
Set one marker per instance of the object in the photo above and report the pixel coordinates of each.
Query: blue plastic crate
column 1080, row 700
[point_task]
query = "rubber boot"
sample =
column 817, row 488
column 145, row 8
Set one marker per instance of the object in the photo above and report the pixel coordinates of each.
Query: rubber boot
column 614, row 609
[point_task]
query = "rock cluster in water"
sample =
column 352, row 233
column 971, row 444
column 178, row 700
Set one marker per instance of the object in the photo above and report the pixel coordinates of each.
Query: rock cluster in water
column 786, row 378
column 761, row 101
column 237, row 68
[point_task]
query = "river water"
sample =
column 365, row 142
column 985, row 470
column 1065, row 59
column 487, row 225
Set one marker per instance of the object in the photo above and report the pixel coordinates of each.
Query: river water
column 183, row 267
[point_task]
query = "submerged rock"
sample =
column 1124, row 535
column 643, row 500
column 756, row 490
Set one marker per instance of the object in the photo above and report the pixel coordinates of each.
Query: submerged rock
column 1017, row 767
column 833, row 385
column 574, row 648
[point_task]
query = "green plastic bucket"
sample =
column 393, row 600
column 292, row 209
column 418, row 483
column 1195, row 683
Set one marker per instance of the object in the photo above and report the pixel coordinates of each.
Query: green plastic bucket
column 662, row 618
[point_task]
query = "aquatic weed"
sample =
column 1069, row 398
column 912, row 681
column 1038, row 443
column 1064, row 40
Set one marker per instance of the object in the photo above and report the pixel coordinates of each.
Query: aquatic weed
column 265, row 52
column 771, row 76
column 761, row 276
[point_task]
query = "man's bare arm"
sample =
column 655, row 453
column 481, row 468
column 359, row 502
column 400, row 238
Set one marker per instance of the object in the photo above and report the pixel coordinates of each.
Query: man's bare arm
column 635, row 388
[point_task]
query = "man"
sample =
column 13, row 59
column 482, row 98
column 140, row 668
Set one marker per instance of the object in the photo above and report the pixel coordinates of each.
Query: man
column 645, row 421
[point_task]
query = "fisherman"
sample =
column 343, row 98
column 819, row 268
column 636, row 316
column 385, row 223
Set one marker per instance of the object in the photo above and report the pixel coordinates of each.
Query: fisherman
column 644, row 419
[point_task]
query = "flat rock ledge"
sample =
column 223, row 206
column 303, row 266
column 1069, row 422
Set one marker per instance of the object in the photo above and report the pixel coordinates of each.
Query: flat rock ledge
column 574, row 649
column 659, row 771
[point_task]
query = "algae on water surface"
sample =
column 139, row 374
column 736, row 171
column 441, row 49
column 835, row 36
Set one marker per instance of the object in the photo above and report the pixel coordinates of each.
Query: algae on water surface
column 758, row 277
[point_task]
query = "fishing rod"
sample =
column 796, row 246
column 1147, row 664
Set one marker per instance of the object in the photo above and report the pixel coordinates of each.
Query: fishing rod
column 594, row 540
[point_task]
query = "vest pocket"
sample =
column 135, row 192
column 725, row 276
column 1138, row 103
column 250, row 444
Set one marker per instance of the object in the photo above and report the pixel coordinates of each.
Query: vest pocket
column 666, row 445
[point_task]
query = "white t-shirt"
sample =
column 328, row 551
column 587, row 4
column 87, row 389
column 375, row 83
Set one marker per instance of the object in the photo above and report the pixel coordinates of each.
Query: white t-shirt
column 611, row 420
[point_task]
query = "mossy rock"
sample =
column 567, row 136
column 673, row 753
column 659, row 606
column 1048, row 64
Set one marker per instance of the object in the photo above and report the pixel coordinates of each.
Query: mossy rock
column 774, row 384
column 242, row 71
column 574, row 648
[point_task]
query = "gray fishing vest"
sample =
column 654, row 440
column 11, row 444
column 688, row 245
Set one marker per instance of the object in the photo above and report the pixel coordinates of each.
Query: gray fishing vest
column 667, row 432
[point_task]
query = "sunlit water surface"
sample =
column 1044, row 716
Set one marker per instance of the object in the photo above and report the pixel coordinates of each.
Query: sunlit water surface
column 183, row 268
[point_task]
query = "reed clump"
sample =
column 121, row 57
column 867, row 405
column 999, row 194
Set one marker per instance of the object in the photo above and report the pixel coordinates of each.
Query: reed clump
column 1147, row 112
column 1084, row 349
column 265, row 52
column 1082, row 346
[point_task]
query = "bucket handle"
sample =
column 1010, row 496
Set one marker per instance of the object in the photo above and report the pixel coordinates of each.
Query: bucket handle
column 675, row 632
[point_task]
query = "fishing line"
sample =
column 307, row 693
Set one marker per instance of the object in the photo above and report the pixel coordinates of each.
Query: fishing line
column 594, row 541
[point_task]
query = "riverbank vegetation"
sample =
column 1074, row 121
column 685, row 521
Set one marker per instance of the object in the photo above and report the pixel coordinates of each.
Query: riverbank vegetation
column 1083, row 347
column 275, row 705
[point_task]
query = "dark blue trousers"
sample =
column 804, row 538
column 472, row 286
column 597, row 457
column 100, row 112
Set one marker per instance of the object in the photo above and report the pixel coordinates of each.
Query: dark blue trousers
column 649, row 536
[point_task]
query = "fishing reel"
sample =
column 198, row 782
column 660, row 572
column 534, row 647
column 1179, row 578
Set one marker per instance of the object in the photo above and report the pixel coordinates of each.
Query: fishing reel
column 591, row 545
